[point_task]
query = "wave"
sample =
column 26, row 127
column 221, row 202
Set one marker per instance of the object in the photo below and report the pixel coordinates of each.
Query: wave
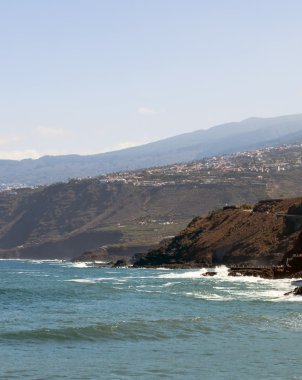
column 89, row 264
column 126, row 330
column 222, row 276
column 180, row 274
column 50, row 261
column 157, row 330
column 95, row 280
column 78, row 265
column 222, row 272
column 12, row 260
column 209, row 297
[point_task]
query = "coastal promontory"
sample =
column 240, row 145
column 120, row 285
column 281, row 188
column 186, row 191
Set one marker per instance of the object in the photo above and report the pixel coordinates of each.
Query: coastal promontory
column 266, row 236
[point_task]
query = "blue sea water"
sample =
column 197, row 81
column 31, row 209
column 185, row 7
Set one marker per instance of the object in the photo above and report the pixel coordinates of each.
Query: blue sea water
column 64, row 321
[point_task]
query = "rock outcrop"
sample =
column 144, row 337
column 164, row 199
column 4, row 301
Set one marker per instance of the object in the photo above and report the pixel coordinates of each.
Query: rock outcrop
column 92, row 256
column 101, row 257
column 120, row 263
column 259, row 239
column 209, row 274
column 297, row 291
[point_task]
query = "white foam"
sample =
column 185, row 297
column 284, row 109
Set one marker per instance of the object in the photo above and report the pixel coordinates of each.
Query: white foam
column 87, row 264
column 82, row 280
column 222, row 272
column 35, row 261
column 189, row 274
column 167, row 284
column 79, row 265
column 46, row 261
column 289, row 298
column 12, row 260
column 216, row 297
column 95, row 280
column 210, row 297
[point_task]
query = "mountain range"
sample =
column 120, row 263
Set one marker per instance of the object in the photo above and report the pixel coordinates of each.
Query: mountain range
column 126, row 213
column 248, row 134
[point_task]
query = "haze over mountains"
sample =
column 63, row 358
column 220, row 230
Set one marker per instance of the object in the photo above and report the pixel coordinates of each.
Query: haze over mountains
column 227, row 138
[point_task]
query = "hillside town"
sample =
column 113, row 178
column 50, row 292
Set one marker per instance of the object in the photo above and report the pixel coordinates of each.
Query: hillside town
column 227, row 168
column 254, row 165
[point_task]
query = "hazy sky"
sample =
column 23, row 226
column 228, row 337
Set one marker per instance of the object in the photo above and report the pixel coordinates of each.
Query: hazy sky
column 87, row 76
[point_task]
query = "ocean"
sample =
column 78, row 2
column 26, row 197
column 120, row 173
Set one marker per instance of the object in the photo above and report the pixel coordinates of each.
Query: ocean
column 68, row 321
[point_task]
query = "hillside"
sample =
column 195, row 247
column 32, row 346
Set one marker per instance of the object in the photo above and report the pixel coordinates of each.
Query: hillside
column 227, row 138
column 266, row 234
column 63, row 220
column 131, row 212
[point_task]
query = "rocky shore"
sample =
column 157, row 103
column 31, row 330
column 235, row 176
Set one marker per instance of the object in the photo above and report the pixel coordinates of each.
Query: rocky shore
column 269, row 272
column 263, row 240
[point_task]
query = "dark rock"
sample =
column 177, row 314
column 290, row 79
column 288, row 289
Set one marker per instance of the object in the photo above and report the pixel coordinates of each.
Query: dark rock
column 209, row 274
column 91, row 256
column 297, row 291
column 231, row 207
column 255, row 272
column 120, row 263
column 296, row 275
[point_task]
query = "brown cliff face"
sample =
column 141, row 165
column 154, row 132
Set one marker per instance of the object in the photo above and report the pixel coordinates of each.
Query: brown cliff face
column 65, row 219
column 263, row 235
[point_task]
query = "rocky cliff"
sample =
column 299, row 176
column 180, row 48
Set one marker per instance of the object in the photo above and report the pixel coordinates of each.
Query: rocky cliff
column 265, row 235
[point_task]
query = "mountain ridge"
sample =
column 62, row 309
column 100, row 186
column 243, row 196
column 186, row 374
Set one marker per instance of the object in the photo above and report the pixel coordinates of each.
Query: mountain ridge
column 250, row 133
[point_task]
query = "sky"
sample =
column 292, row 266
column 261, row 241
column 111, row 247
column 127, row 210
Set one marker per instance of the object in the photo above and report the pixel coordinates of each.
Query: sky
column 89, row 76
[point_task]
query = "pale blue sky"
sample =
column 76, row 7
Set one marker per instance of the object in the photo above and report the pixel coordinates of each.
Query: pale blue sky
column 86, row 76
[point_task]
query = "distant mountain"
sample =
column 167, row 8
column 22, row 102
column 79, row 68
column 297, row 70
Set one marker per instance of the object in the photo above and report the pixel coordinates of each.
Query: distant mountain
column 125, row 213
column 227, row 138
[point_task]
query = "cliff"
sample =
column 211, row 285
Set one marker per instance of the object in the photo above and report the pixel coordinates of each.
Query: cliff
column 65, row 219
column 267, row 234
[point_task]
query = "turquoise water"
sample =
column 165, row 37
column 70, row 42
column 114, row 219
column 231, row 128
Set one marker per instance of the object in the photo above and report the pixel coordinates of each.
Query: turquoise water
column 61, row 321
